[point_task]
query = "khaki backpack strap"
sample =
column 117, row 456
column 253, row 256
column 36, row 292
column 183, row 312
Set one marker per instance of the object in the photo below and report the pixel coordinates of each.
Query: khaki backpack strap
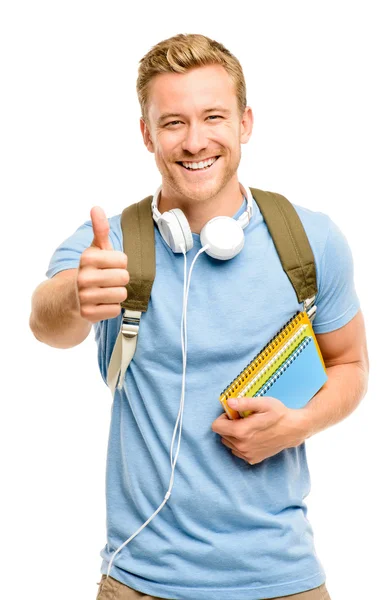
column 138, row 234
column 290, row 240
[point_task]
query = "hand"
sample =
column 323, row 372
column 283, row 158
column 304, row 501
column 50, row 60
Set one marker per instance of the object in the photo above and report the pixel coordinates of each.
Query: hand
column 102, row 274
column 270, row 428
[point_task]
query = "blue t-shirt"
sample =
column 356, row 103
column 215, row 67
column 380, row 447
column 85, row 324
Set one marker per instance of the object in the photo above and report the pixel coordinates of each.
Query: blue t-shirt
column 229, row 531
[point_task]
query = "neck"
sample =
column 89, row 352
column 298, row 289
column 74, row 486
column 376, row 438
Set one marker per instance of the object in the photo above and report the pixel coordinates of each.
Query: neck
column 199, row 211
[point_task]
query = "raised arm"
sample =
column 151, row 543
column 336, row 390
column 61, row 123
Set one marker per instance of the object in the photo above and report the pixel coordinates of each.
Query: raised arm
column 63, row 308
column 55, row 314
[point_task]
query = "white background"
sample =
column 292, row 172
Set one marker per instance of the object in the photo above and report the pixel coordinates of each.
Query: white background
column 317, row 77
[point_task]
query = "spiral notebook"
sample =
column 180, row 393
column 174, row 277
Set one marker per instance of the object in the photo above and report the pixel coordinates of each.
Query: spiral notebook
column 290, row 367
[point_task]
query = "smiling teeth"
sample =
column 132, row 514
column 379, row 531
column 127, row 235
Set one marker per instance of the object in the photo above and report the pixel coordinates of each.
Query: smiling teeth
column 200, row 165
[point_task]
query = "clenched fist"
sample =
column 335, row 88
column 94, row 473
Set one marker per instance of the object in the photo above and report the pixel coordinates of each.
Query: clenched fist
column 102, row 274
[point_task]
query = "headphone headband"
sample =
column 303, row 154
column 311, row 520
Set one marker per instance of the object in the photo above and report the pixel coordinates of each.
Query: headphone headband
column 243, row 220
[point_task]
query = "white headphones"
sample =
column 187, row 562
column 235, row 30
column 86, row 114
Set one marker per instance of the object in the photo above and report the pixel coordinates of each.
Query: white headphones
column 222, row 235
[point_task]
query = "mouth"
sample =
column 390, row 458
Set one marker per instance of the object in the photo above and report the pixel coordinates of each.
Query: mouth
column 192, row 168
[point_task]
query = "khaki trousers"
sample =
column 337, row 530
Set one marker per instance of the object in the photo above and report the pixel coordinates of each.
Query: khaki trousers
column 115, row 590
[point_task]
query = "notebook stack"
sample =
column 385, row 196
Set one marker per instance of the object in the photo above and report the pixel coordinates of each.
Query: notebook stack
column 290, row 368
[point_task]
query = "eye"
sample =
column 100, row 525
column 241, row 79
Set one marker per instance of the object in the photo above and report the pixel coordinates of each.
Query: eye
column 214, row 117
column 171, row 123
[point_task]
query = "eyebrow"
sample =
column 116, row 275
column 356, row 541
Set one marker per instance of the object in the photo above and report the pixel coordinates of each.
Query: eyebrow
column 165, row 116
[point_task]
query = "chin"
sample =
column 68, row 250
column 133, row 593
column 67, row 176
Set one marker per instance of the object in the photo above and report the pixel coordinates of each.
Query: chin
column 201, row 191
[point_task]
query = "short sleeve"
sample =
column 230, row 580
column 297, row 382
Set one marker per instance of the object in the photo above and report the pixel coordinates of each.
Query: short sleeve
column 337, row 301
column 67, row 255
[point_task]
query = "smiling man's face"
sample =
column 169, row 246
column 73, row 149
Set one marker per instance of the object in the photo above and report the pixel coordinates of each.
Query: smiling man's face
column 194, row 117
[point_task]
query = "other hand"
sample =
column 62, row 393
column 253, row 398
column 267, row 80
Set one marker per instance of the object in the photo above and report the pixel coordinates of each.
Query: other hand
column 270, row 428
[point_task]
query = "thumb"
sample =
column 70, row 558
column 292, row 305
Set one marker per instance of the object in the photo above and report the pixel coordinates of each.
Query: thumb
column 101, row 228
column 259, row 404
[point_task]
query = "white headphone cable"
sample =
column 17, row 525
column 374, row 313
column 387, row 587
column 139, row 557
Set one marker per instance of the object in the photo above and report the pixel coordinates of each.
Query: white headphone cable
column 184, row 344
column 186, row 287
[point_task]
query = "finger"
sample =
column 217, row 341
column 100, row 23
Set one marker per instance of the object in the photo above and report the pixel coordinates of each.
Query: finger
column 101, row 228
column 231, row 439
column 103, row 278
column 228, row 443
column 239, row 455
column 233, row 448
column 229, row 427
column 223, row 417
column 97, row 296
column 257, row 404
column 101, row 312
column 103, row 259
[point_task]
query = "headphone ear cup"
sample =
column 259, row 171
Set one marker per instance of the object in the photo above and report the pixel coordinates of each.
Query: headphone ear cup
column 175, row 230
column 224, row 237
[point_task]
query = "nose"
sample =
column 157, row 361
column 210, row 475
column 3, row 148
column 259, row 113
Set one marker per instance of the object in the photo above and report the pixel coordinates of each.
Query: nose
column 195, row 139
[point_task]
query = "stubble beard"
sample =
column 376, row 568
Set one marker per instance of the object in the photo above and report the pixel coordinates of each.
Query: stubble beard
column 205, row 191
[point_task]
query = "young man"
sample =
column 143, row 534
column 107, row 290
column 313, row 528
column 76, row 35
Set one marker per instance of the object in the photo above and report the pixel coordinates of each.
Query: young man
column 235, row 525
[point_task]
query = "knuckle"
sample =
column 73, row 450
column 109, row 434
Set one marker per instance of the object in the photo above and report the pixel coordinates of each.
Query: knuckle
column 82, row 279
column 88, row 257
column 84, row 296
column 86, row 312
column 117, row 310
column 241, row 446
column 125, row 277
column 123, row 259
column 112, row 311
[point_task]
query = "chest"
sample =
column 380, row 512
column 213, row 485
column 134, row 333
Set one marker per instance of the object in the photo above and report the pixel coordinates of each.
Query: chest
column 234, row 307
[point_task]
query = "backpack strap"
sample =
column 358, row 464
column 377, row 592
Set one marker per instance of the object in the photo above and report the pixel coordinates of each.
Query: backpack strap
column 291, row 242
column 138, row 232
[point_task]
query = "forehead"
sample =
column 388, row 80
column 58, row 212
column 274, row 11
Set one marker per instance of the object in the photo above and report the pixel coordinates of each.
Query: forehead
column 196, row 90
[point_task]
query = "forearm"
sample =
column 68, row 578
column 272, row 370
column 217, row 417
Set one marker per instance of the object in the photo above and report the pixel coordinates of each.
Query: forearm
column 55, row 318
column 338, row 398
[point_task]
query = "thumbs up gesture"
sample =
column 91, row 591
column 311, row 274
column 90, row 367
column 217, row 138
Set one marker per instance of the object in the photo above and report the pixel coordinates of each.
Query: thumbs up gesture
column 102, row 274
column 101, row 228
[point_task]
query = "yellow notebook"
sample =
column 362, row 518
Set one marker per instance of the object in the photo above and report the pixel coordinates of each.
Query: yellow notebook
column 275, row 361
column 267, row 361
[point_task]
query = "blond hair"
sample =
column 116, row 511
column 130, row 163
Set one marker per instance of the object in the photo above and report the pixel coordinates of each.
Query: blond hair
column 181, row 53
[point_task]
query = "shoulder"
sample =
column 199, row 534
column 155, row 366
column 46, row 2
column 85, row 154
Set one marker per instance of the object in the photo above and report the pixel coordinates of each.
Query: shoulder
column 315, row 223
column 337, row 298
column 317, row 226
column 323, row 232
column 327, row 240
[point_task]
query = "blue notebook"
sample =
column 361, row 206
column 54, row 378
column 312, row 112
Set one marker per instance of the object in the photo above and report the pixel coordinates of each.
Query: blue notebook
column 298, row 379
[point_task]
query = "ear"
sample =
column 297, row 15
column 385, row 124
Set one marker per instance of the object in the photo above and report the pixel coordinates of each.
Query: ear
column 146, row 135
column 246, row 125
